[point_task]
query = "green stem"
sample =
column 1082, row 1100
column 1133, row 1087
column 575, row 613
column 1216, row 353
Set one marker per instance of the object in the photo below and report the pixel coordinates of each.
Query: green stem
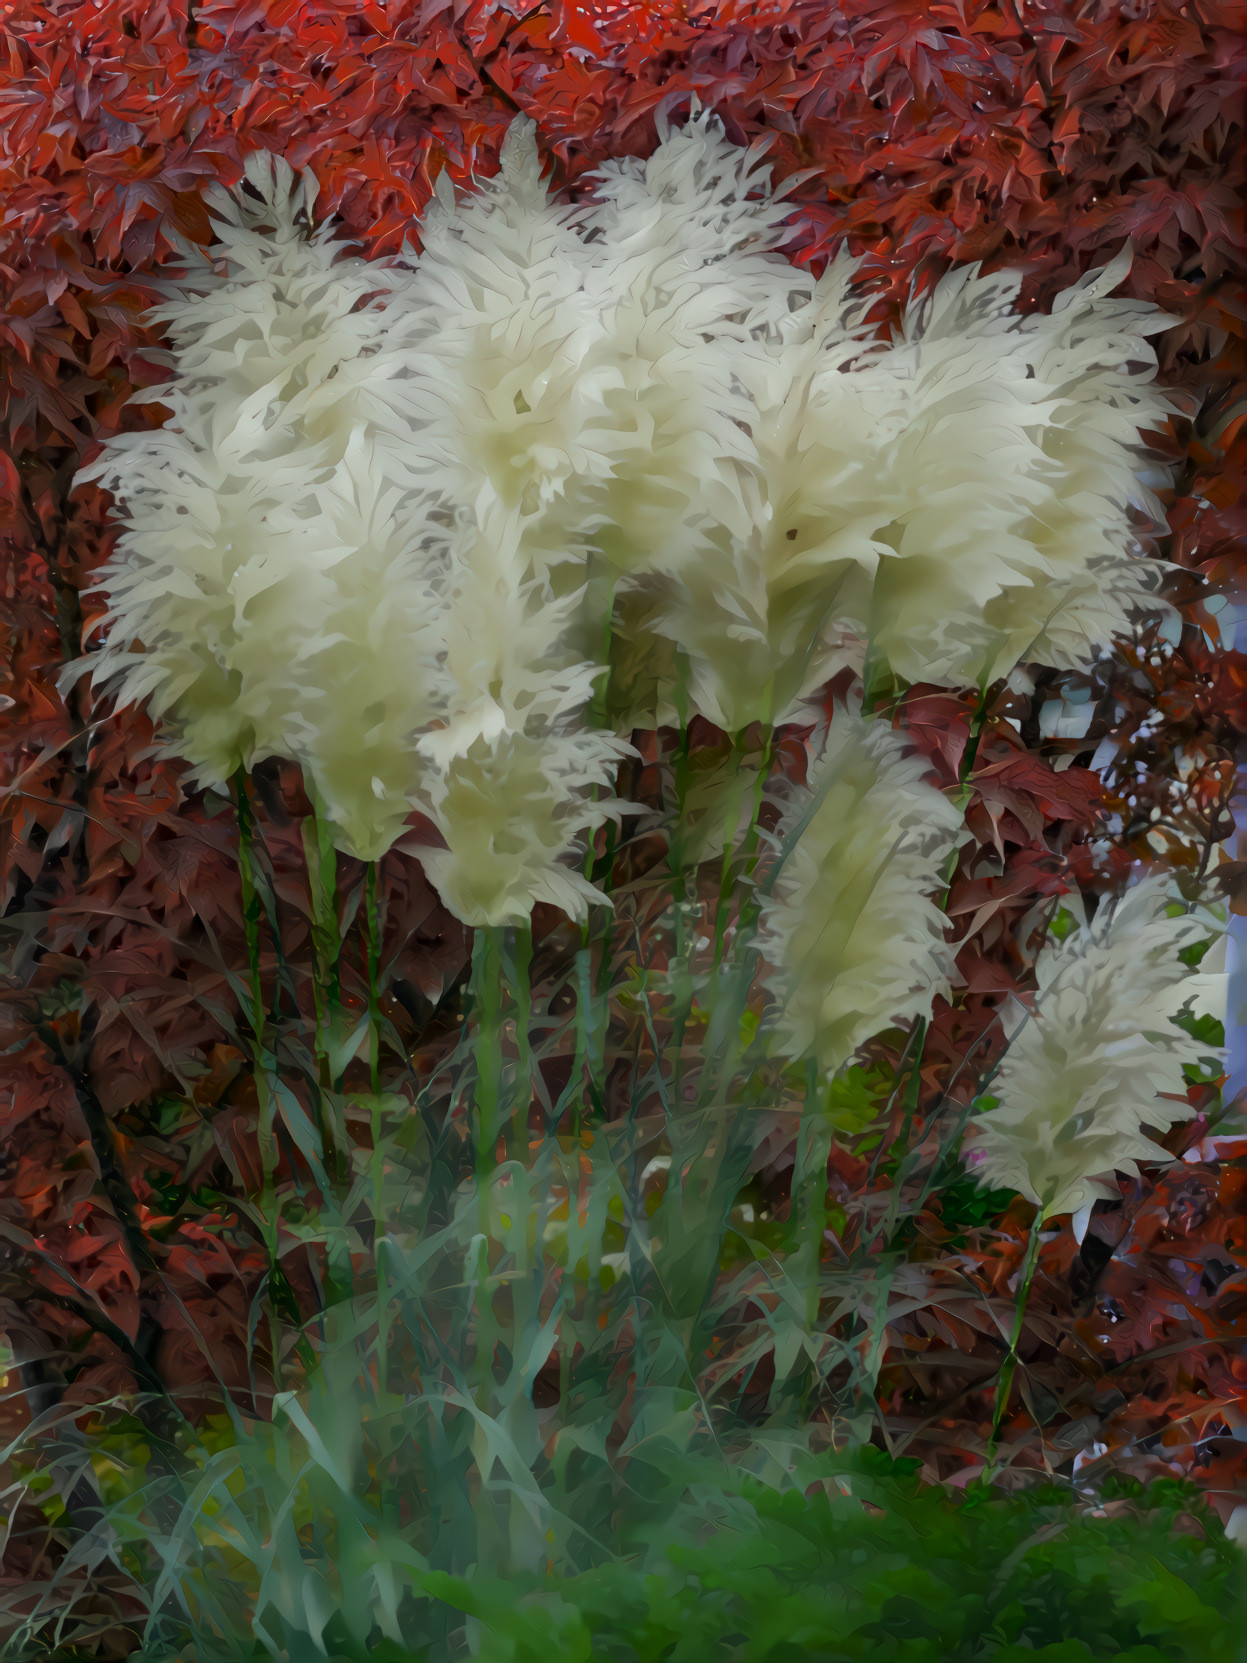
column 595, row 930
column 597, row 713
column 683, row 908
column 683, row 776
column 600, row 929
column 588, row 1058
column 251, row 909
column 322, row 872
column 977, row 723
column 751, row 851
column 748, row 852
column 487, row 1003
column 330, row 1125
column 372, row 929
column 518, row 969
column 372, row 926
column 266, row 1136
column 809, row 1196
column 489, row 1112
column 1009, row 1366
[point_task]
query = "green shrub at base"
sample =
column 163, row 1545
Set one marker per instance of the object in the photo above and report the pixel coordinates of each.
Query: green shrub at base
column 934, row 1577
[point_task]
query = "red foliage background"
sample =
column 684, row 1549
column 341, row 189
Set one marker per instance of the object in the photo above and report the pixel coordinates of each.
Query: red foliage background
column 1038, row 135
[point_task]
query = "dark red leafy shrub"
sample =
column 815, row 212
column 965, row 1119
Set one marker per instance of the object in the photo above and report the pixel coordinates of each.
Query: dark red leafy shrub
column 1035, row 135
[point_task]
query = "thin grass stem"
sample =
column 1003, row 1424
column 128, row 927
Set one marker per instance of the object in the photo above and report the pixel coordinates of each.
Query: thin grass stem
column 1009, row 1366
column 266, row 1134
column 322, row 869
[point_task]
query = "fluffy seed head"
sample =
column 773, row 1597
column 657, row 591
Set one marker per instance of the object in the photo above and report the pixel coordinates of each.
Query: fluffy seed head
column 390, row 502
column 1099, row 1058
column 272, row 589
column 851, row 930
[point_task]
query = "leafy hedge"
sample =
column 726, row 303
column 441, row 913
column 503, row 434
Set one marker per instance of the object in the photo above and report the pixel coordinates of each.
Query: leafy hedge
column 1040, row 135
column 895, row 1572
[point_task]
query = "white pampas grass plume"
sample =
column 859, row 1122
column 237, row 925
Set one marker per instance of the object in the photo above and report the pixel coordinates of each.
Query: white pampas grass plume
column 760, row 615
column 1100, row 603
column 273, row 589
column 512, row 810
column 330, row 555
column 1091, row 1066
column 686, row 276
column 851, row 931
column 1011, row 457
column 961, row 498
column 507, row 359
column 506, row 666
column 513, row 767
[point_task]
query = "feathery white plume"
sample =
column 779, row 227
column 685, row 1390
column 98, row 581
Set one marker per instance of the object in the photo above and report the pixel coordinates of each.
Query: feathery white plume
column 273, row 587
column 1088, row 1069
column 388, row 504
column 511, row 810
column 301, row 576
column 1099, row 603
column 508, row 364
column 854, row 937
column 686, row 276
column 760, row 614
column 512, row 764
column 1012, row 456
column 959, row 497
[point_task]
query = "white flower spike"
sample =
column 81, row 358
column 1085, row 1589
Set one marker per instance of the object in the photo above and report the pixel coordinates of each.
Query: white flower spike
column 852, row 932
column 1099, row 1059
column 273, row 591
column 383, row 528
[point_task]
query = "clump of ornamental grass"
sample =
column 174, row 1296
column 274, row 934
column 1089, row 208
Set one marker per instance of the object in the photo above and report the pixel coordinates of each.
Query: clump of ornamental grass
column 440, row 533
column 303, row 574
column 1013, row 458
column 957, row 500
column 386, row 528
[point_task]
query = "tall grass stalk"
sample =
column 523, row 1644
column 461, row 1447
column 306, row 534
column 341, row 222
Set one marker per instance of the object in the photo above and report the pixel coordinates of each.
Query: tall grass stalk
column 261, row 1062
column 1004, row 1382
column 251, row 912
column 372, row 970
column 326, row 932
column 739, row 864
